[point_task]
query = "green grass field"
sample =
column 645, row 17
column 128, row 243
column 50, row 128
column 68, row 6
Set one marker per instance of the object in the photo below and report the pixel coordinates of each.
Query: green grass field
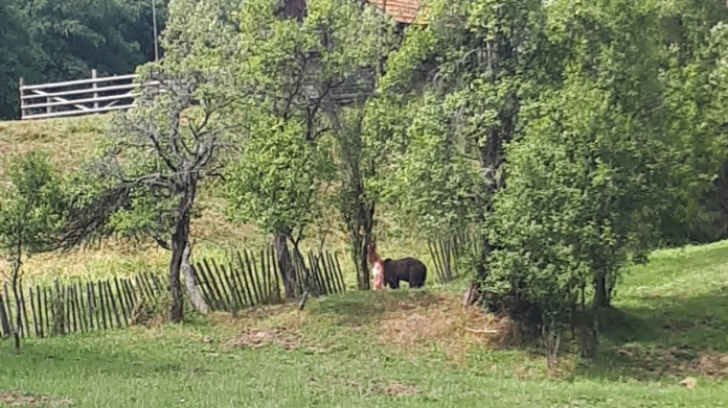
column 397, row 349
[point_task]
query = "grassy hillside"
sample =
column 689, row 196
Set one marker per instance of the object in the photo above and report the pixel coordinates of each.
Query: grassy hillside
column 399, row 349
column 71, row 141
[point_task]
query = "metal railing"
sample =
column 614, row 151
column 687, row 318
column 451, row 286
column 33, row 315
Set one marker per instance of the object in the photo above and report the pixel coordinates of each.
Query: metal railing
column 79, row 97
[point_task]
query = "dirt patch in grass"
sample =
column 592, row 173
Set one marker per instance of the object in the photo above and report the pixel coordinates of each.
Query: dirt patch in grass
column 278, row 325
column 446, row 322
column 288, row 339
column 16, row 399
column 389, row 388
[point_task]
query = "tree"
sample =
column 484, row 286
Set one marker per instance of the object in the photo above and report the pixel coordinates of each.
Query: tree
column 32, row 210
column 275, row 184
column 159, row 155
column 55, row 41
column 314, row 77
column 113, row 36
column 18, row 56
column 692, row 34
column 482, row 60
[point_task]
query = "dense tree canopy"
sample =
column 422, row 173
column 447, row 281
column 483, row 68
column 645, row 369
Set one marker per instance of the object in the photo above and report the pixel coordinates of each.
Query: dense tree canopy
column 46, row 40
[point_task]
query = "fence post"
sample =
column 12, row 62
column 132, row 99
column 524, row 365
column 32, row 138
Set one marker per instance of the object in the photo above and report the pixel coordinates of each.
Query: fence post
column 4, row 321
column 94, row 86
column 22, row 101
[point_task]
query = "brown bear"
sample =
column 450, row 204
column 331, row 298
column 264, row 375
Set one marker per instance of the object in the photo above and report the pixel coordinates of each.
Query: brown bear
column 410, row 270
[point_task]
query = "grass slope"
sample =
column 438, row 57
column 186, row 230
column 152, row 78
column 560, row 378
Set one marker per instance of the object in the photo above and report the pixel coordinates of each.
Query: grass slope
column 398, row 349
column 70, row 142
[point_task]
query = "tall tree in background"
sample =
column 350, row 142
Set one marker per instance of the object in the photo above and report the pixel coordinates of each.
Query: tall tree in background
column 65, row 40
column 19, row 56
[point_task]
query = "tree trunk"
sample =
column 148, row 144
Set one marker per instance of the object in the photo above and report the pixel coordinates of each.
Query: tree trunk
column 285, row 265
column 198, row 301
column 601, row 297
column 361, row 234
column 18, row 307
column 179, row 242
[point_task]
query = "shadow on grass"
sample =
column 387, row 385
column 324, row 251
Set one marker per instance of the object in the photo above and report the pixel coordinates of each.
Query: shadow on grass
column 665, row 336
column 363, row 307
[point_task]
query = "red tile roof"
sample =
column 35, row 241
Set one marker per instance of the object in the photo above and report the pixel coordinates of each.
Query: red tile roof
column 402, row 11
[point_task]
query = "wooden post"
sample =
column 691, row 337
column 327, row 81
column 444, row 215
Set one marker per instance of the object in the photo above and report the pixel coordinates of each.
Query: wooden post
column 94, row 86
column 102, row 305
column 6, row 292
column 4, row 322
column 33, row 313
column 219, row 300
column 122, row 299
column 39, row 301
column 22, row 101
column 243, row 274
column 26, row 325
column 59, row 328
column 48, row 310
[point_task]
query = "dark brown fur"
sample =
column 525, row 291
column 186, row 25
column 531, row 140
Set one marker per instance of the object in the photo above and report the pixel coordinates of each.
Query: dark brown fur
column 410, row 270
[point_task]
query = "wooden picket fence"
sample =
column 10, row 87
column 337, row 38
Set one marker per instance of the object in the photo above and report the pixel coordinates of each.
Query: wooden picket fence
column 246, row 280
column 243, row 281
column 450, row 253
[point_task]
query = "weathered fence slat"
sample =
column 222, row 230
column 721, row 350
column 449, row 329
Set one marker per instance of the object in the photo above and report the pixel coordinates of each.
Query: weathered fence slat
column 201, row 283
column 276, row 272
column 237, row 282
column 71, row 307
column 4, row 321
column 122, row 301
column 9, row 304
column 266, row 278
column 112, row 301
column 33, row 313
column 224, row 293
column 41, row 318
column 90, row 303
column 26, row 325
column 59, row 324
column 252, row 274
column 48, row 310
column 243, row 275
column 80, row 307
column 101, row 306
column 219, row 302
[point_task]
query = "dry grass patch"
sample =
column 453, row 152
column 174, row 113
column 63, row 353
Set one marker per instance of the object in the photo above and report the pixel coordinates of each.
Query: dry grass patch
column 442, row 320
column 16, row 399
column 278, row 325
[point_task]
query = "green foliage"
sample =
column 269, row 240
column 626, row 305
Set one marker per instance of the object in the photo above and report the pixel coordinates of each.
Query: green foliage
column 695, row 96
column 77, row 35
column 17, row 55
column 32, row 208
column 276, row 181
column 43, row 41
column 431, row 182
column 607, row 162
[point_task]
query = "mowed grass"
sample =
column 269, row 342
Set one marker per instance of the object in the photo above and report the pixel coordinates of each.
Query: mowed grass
column 406, row 348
